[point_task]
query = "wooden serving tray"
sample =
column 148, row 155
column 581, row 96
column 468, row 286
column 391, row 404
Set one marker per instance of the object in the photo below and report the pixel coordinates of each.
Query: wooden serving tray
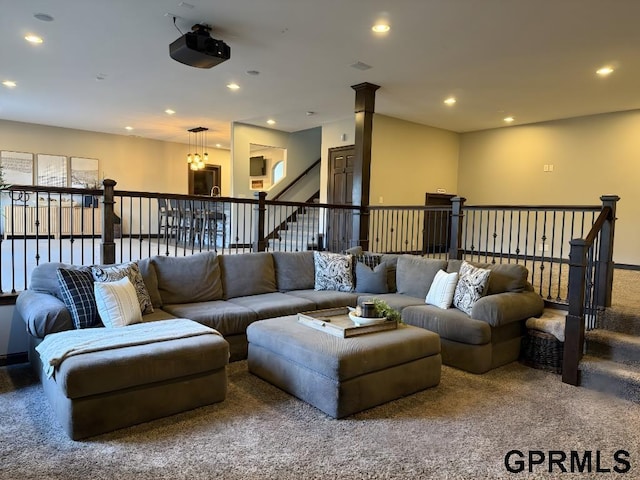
column 336, row 321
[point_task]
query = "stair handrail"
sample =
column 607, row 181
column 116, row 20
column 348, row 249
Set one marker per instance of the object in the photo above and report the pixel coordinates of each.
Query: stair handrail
column 296, row 180
column 602, row 228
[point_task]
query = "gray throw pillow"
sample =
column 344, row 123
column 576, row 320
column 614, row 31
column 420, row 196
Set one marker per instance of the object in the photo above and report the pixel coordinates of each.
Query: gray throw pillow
column 371, row 281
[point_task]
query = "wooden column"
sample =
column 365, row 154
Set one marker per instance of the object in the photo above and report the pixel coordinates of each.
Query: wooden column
column 259, row 242
column 605, row 263
column 108, row 246
column 364, row 110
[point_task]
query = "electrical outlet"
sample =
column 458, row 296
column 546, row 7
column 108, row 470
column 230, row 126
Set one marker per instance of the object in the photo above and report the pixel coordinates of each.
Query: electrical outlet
column 543, row 247
column 380, row 200
column 545, row 168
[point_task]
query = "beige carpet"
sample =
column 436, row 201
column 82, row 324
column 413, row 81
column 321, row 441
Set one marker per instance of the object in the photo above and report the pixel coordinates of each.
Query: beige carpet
column 461, row 429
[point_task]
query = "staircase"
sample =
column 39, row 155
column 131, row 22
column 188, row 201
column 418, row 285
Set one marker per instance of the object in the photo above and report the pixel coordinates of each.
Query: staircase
column 612, row 356
column 297, row 235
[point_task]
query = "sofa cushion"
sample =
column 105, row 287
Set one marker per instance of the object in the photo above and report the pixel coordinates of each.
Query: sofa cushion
column 77, row 293
column 333, row 271
column 370, row 280
column 115, row 369
column 226, row 317
column 247, row 274
column 43, row 313
column 442, row 289
column 507, row 307
column 414, row 275
column 148, row 271
column 276, row 304
column 472, row 285
column 110, row 273
column 450, row 324
column 327, row 298
column 194, row 278
column 294, row 270
column 391, row 261
column 505, row 277
column 44, row 278
column 397, row 301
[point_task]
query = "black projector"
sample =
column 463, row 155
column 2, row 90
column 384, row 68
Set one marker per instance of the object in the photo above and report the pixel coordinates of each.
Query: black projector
column 198, row 49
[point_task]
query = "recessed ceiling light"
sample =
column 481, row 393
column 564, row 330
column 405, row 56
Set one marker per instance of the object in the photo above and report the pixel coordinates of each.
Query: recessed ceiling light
column 44, row 17
column 34, row 39
column 450, row 101
column 9, row 83
column 218, row 145
column 128, row 128
column 509, row 119
column 233, row 86
column 604, row 71
column 381, row 28
column 168, row 111
column 271, row 122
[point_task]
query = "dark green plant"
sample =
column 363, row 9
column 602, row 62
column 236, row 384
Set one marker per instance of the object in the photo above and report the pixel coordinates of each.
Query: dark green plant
column 384, row 310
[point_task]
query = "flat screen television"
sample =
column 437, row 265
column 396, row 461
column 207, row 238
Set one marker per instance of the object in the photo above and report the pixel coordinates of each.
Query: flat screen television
column 257, row 166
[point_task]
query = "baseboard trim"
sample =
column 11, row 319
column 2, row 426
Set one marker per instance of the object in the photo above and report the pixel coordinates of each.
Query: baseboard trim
column 627, row 266
column 13, row 359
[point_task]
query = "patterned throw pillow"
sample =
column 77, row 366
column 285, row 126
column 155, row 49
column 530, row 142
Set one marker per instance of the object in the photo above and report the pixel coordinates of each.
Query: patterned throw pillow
column 442, row 289
column 333, row 271
column 472, row 285
column 76, row 287
column 111, row 273
column 117, row 303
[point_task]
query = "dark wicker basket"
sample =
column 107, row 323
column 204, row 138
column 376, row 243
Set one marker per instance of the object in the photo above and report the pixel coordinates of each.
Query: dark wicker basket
column 542, row 350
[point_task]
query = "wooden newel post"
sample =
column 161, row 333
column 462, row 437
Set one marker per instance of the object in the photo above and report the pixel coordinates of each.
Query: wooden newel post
column 455, row 242
column 574, row 326
column 605, row 263
column 108, row 246
column 259, row 244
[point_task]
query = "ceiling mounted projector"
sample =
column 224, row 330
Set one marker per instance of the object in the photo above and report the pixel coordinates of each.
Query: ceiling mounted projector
column 198, row 49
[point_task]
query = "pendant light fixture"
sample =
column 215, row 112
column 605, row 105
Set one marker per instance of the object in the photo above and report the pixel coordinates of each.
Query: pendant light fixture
column 197, row 161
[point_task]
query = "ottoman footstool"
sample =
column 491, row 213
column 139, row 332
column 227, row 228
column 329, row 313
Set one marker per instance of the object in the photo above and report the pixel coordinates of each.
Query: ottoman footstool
column 101, row 391
column 343, row 376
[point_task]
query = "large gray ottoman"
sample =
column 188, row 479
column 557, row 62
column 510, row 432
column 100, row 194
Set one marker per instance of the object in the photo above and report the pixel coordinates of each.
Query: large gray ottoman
column 343, row 376
column 105, row 390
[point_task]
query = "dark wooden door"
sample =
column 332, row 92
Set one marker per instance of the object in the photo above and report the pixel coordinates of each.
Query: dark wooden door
column 340, row 188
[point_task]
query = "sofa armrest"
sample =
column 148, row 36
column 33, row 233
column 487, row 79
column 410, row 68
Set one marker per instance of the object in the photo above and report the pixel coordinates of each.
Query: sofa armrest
column 42, row 313
column 507, row 307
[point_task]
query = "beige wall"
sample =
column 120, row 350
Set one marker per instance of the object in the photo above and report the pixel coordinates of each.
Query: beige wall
column 135, row 163
column 303, row 148
column 591, row 156
column 409, row 159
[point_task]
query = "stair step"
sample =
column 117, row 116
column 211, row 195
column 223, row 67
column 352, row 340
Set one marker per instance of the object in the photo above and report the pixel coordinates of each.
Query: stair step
column 615, row 346
column 610, row 377
column 621, row 319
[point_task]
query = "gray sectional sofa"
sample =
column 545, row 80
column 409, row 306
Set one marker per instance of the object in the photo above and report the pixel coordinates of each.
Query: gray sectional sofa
column 228, row 293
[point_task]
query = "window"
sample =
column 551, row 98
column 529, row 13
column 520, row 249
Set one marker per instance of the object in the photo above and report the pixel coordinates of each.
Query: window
column 278, row 171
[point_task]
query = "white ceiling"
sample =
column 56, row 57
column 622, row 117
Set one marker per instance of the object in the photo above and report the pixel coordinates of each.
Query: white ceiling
column 533, row 59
